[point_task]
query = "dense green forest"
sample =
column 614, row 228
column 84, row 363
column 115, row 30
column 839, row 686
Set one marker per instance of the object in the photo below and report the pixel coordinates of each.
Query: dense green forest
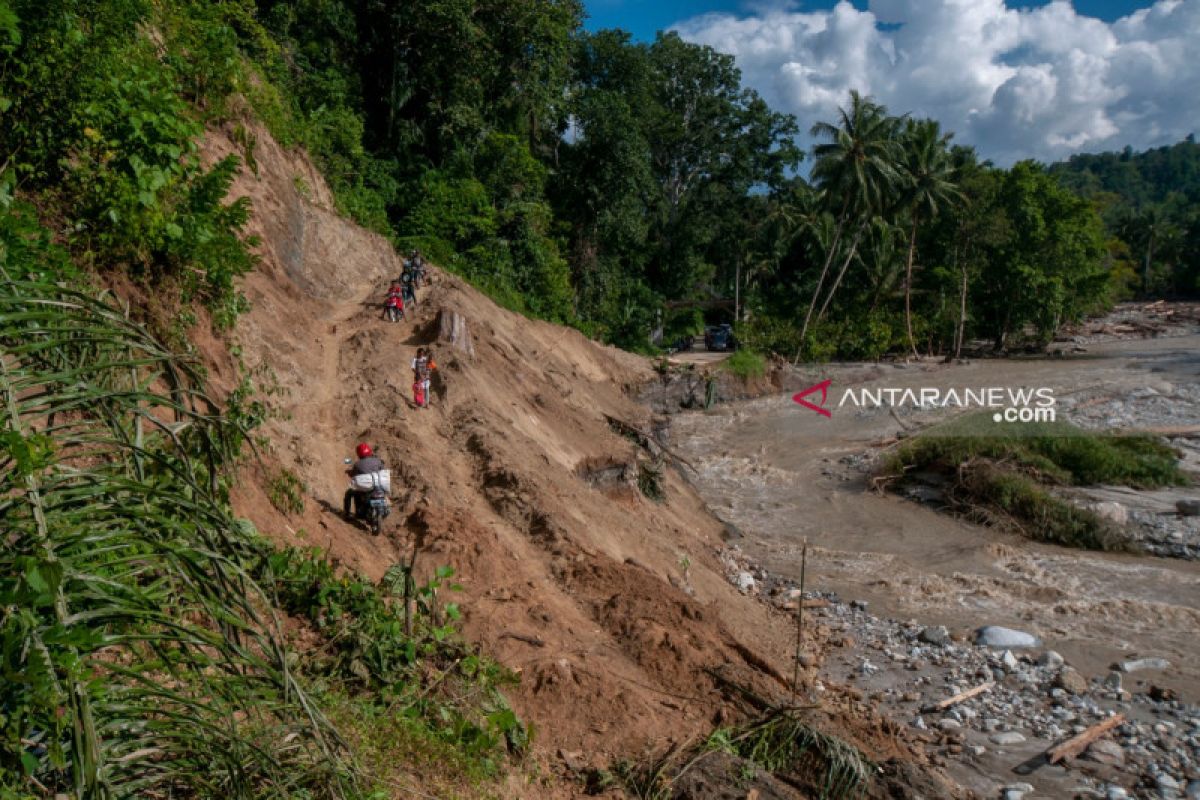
column 1151, row 206
column 626, row 188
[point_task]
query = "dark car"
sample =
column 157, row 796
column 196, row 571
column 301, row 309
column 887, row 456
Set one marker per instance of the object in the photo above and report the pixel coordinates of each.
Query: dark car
column 719, row 337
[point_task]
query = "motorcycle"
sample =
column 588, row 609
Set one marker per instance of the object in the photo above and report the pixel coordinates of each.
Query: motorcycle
column 371, row 503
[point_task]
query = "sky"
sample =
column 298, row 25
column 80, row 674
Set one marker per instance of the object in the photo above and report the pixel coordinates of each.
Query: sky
column 1016, row 80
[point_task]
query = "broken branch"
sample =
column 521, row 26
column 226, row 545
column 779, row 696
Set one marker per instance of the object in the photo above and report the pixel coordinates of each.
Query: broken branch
column 1073, row 746
column 958, row 698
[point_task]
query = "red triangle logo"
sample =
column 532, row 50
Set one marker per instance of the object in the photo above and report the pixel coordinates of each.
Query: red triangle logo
column 823, row 388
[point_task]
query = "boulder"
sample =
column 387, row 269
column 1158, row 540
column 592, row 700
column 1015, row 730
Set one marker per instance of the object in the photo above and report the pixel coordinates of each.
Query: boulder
column 1007, row 738
column 997, row 636
column 1071, row 681
column 934, row 635
column 1105, row 751
column 1188, row 508
column 1112, row 511
column 1050, row 658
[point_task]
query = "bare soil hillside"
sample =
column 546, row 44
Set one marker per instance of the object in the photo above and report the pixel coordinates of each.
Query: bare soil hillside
column 613, row 606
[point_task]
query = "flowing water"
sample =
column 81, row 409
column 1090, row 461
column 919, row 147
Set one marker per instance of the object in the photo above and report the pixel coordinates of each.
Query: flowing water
column 783, row 474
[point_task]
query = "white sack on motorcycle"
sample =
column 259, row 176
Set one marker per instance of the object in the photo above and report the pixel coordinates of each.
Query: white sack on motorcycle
column 370, row 480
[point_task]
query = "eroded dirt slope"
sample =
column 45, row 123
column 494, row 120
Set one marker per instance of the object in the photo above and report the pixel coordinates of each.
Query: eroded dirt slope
column 613, row 606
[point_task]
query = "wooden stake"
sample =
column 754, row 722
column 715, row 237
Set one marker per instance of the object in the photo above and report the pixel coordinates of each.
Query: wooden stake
column 799, row 622
column 958, row 698
column 1073, row 746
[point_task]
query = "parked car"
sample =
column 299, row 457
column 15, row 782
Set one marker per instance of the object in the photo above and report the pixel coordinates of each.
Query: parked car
column 719, row 337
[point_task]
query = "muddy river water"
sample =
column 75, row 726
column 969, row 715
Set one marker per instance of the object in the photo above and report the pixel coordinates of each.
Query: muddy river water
column 783, row 474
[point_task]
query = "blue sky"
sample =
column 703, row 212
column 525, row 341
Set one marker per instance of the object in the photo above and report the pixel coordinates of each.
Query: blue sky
column 1015, row 79
column 644, row 18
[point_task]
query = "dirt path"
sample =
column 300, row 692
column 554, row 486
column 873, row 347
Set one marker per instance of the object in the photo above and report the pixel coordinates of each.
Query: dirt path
column 783, row 474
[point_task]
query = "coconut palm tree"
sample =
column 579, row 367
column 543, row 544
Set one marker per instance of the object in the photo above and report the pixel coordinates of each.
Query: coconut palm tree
column 855, row 170
column 927, row 186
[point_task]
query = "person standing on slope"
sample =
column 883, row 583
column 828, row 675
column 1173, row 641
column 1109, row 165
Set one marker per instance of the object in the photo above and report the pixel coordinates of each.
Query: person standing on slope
column 367, row 464
column 393, row 307
column 422, row 366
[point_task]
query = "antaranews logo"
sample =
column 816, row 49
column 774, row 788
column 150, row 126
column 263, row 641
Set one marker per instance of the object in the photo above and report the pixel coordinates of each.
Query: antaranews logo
column 1010, row 404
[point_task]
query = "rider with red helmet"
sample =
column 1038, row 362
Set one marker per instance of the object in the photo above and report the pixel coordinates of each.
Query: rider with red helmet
column 366, row 464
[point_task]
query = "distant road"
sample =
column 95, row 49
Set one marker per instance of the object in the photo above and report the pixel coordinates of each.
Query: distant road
column 698, row 355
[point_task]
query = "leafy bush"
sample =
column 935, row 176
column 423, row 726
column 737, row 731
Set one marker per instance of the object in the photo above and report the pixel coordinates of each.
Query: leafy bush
column 412, row 663
column 746, row 364
column 286, row 492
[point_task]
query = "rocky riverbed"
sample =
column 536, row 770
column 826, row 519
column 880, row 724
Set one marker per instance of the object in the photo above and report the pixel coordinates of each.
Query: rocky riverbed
column 1034, row 700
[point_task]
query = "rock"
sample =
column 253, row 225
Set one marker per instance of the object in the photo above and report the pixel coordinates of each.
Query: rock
column 745, row 582
column 1050, row 658
column 949, row 724
column 1009, row 661
column 1192, row 792
column 1188, row 508
column 1112, row 682
column 1139, row 664
column 996, row 636
column 1105, row 751
column 573, row 760
column 1112, row 511
column 934, row 635
column 1116, row 793
column 1070, row 680
column 808, row 660
column 1167, row 786
column 1007, row 738
column 1161, row 694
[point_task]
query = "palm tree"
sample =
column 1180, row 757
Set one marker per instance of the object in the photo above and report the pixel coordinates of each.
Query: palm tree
column 855, row 171
column 928, row 185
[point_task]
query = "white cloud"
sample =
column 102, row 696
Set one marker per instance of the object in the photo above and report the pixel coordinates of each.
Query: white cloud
column 1041, row 83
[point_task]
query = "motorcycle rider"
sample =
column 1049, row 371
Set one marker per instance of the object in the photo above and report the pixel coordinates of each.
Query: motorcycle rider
column 366, row 464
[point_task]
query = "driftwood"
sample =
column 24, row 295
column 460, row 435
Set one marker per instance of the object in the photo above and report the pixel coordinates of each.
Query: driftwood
column 942, row 705
column 1073, row 746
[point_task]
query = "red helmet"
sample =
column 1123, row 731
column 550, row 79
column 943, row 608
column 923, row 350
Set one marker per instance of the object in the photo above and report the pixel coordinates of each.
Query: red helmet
column 363, row 450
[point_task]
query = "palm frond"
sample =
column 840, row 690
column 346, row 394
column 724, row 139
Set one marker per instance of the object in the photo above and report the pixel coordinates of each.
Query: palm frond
column 138, row 655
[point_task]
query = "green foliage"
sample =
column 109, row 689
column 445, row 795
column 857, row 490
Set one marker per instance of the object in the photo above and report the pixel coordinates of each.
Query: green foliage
column 746, row 364
column 134, row 649
column 103, row 131
column 415, row 667
column 999, row 473
column 785, row 744
column 286, row 492
column 781, row 742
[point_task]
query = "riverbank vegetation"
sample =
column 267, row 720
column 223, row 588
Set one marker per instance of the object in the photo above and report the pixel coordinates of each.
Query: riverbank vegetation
column 1005, row 473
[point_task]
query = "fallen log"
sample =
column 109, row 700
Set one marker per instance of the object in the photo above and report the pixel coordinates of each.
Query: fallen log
column 1074, row 746
column 942, row 705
